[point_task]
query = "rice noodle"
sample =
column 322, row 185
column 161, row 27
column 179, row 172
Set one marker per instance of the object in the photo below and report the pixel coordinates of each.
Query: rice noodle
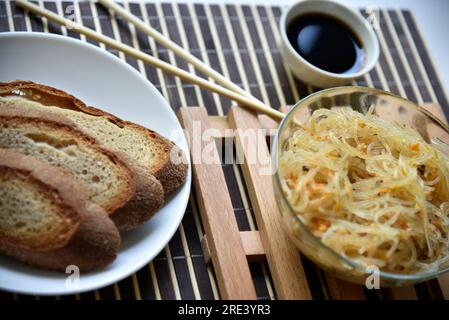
column 371, row 190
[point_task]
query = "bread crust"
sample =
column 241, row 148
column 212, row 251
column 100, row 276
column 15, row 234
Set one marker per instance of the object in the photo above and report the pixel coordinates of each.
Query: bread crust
column 144, row 194
column 170, row 173
column 11, row 116
column 96, row 241
column 69, row 217
column 147, row 199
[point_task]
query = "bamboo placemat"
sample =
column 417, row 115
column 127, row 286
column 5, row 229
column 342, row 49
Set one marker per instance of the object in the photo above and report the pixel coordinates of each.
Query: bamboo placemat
column 241, row 43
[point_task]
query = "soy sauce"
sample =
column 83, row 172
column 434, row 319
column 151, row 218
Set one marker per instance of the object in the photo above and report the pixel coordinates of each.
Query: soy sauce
column 326, row 42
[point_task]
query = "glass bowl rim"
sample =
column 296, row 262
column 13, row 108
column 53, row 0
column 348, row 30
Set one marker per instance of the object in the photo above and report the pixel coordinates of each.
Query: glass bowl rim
column 416, row 277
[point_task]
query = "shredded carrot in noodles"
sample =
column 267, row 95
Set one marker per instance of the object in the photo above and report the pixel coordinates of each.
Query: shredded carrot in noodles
column 371, row 190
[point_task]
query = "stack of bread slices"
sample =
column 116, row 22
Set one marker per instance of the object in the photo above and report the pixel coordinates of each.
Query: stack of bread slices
column 73, row 178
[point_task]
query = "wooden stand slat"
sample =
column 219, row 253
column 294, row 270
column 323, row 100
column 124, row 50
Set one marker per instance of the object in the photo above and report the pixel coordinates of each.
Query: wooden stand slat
column 438, row 288
column 283, row 258
column 436, row 110
column 444, row 279
column 252, row 244
column 343, row 290
column 224, row 244
column 444, row 285
column 403, row 293
column 229, row 249
column 225, row 131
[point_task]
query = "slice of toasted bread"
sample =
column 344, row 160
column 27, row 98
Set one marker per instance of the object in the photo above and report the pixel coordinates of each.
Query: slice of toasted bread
column 149, row 149
column 47, row 220
column 30, row 216
column 129, row 195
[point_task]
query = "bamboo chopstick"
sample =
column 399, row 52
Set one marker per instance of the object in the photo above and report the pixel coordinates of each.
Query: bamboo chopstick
column 180, row 51
column 250, row 103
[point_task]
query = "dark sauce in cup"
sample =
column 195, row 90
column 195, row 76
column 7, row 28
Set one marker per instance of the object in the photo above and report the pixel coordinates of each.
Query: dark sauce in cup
column 326, row 42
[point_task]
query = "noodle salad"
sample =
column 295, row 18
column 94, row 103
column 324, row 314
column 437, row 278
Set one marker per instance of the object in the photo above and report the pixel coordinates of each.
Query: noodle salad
column 373, row 191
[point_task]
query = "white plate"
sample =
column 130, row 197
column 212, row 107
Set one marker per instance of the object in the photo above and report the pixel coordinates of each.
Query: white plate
column 99, row 79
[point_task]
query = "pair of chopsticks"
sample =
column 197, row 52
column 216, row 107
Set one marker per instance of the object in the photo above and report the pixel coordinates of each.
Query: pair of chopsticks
column 223, row 86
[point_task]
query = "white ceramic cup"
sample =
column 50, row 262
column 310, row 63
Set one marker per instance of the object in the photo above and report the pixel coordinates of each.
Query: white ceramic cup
column 307, row 72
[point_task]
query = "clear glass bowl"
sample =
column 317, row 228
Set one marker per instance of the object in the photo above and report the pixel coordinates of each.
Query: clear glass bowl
column 389, row 107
